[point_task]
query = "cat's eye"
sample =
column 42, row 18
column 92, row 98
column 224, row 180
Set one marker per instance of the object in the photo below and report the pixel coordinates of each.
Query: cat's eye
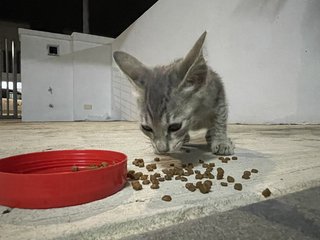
column 174, row 127
column 146, row 128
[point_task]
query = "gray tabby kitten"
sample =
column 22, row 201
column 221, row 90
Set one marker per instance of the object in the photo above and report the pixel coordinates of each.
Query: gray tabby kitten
column 173, row 99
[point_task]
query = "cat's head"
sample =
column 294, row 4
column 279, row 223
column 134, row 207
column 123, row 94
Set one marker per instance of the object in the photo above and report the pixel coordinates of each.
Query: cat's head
column 166, row 95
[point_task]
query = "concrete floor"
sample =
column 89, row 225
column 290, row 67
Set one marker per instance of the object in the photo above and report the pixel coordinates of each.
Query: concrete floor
column 287, row 158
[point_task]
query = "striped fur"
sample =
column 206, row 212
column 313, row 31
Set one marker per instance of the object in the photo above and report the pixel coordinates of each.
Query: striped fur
column 186, row 93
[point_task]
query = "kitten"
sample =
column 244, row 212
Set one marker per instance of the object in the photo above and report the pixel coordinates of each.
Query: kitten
column 182, row 96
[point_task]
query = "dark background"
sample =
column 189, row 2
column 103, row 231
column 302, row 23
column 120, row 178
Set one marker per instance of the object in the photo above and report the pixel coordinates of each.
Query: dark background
column 106, row 18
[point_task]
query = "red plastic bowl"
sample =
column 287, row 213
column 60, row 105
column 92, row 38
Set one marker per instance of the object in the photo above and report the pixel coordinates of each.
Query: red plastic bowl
column 47, row 180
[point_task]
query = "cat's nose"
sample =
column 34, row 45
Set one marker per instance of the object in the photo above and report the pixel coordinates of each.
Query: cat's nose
column 162, row 147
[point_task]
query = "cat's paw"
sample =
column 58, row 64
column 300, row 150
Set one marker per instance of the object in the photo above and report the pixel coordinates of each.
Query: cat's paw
column 222, row 147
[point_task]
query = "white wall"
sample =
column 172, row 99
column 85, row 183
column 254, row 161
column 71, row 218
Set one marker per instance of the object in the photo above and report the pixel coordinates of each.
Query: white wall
column 266, row 51
column 40, row 72
column 80, row 76
column 92, row 77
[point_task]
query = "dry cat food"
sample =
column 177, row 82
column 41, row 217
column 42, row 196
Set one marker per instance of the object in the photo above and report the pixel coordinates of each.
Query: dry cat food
column 146, row 182
column 171, row 164
column 166, row 198
column 150, row 167
column 224, row 161
column 220, row 173
column 224, row 184
column 201, row 161
column 137, row 175
column 204, row 188
column 139, row 162
column 161, row 179
column 221, row 158
column 246, row 175
column 205, row 165
column 199, row 176
column 154, row 186
column 227, row 158
column 130, row 174
column 74, row 168
column 144, row 177
column 103, row 164
column 191, row 187
column 230, row 179
column 136, row 185
column 238, row 186
column 234, row 158
column 208, row 182
column 167, row 177
column 156, row 159
column 266, row 193
column 253, row 170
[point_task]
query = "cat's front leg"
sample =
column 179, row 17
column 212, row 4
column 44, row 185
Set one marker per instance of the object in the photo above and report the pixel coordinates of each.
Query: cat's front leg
column 217, row 138
column 219, row 142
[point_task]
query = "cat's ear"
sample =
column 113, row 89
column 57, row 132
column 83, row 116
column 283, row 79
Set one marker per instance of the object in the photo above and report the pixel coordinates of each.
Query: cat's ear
column 193, row 68
column 132, row 67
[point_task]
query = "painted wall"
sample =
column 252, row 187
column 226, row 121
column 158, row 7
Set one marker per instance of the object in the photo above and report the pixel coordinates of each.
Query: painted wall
column 92, row 77
column 266, row 51
column 79, row 78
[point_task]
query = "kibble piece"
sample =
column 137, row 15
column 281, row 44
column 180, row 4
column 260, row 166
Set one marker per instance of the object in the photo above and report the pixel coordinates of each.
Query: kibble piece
column 171, row 164
column 221, row 158
column 205, row 165
column 198, row 184
column 103, row 164
column 161, row 179
column 199, row 176
column 234, row 158
column 149, row 168
column 266, row 193
column 230, row 179
column 197, row 172
column 144, row 177
column 138, row 161
column 74, row 168
column 224, row 161
column 204, row 188
column 247, row 173
column 210, row 176
column 167, row 177
column 93, row 166
column 224, row 184
column 141, row 164
column 238, row 186
column 220, row 170
column 178, row 177
column 227, row 158
column 184, row 179
column 245, row 176
column 208, row 182
column 157, row 175
column 146, row 182
column 155, row 181
column 137, row 175
column 136, row 185
column 220, row 175
column 154, row 186
column 212, row 165
column 191, row 187
column 165, row 171
column 254, row 170
column 166, row 198
column 184, row 165
column 156, row 159
column 130, row 174
column 201, row 161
